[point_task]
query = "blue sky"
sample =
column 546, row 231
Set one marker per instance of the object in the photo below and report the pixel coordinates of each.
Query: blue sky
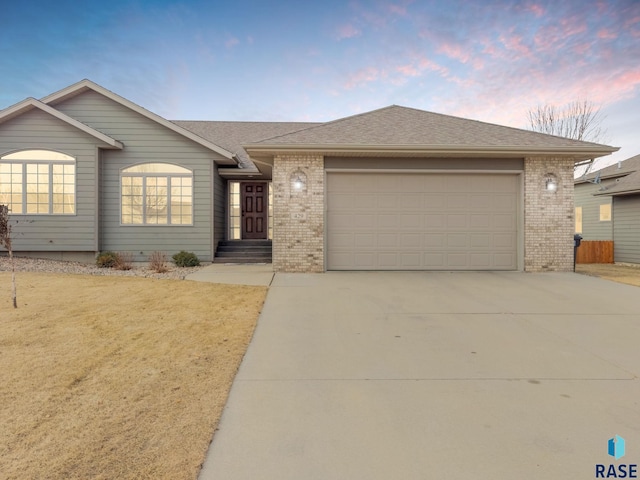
column 489, row 60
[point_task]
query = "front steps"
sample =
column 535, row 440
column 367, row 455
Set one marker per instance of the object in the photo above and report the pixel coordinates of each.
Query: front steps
column 243, row 251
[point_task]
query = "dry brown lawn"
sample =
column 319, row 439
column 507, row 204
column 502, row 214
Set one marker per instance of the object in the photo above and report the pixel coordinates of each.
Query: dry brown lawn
column 112, row 377
column 618, row 273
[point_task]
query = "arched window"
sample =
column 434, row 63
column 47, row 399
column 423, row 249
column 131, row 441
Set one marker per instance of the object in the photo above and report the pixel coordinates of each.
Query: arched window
column 156, row 194
column 38, row 182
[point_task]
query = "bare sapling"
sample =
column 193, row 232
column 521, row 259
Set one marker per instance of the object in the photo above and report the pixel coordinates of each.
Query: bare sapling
column 5, row 241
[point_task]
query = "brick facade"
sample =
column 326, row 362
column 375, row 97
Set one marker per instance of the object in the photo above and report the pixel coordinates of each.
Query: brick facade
column 548, row 216
column 298, row 214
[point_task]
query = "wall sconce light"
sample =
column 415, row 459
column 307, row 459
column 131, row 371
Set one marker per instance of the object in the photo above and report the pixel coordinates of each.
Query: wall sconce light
column 550, row 183
column 298, row 181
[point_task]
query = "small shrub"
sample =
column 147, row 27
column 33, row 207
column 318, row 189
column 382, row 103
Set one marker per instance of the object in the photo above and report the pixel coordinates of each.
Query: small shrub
column 186, row 259
column 106, row 259
column 124, row 261
column 158, row 262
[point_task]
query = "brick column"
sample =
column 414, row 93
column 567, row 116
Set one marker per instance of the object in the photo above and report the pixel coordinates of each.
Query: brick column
column 298, row 214
column 548, row 216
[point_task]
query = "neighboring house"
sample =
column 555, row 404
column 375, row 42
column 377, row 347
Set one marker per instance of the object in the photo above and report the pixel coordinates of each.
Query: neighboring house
column 594, row 219
column 625, row 197
column 85, row 170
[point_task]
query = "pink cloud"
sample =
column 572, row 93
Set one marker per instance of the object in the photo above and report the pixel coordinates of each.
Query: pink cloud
column 362, row 77
column 347, row 31
column 514, row 43
column 582, row 48
column 408, row 70
column 537, row 9
column 454, row 51
column 604, row 34
column 573, row 26
column 399, row 9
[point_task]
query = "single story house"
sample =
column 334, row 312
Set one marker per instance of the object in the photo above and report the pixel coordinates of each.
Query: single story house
column 84, row 170
column 607, row 208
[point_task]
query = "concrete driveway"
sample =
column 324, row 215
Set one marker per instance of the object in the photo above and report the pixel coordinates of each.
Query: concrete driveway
column 434, row 375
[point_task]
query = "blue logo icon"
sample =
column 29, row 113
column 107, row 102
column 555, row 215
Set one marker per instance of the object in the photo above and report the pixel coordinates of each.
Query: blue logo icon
column 616, row 447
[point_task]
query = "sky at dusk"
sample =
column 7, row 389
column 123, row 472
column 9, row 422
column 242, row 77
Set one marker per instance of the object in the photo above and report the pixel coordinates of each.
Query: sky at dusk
column 317, row 61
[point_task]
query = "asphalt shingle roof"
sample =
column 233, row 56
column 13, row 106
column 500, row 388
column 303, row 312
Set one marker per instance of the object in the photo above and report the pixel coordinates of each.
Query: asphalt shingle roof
column 620, row 169
column 233, row 135
column 396, row 125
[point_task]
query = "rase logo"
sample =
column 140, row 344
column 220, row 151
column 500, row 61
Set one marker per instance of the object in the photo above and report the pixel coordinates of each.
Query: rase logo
column 616, row 447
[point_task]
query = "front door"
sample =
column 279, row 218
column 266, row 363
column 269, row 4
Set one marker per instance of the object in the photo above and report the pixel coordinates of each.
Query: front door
column 255, row 220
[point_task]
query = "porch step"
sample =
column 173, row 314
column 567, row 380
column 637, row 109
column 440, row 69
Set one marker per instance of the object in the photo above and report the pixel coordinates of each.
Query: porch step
column 243, row 251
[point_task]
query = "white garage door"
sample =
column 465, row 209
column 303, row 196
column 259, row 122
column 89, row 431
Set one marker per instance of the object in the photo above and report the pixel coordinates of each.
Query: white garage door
column 416, row 221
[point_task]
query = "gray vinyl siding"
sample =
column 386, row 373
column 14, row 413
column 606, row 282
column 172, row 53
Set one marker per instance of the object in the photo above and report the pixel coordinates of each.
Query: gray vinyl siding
column 592, row 227
column 146, row 141
column 220, row 208
column 36, row 129
column 626, row 234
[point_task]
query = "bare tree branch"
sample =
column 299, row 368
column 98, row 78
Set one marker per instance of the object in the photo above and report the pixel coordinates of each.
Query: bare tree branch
column 578, row 120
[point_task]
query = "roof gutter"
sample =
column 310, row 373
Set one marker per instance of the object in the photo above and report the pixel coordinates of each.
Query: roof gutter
column 575, row 152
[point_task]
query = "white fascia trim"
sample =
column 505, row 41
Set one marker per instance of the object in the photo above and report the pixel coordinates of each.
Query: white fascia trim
column 88, row 84
column 512, row 151
column 29, row 103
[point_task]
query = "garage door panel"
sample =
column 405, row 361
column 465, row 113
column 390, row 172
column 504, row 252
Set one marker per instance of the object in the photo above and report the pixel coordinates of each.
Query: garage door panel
column 504, row 241
column 434, row 260
column 361, row 201
column 411, row 222
column 343, row 241
column 338, row 222
column 387, row 202
column 342, row 201
column 388, row 241
column 480, row 240
column 434, row 221
column 480, row 202
column 457, row 240
column 480, row 261
column 433, row 202
column 457, row 201
column 398, row 221
column 365, row 220
column 504, row 221
column 504, row 260
column 366, row 240
column 480, row 220
column 410, row 240
column 434, row 240
column 503, row 203
column 388, row 221
column 457, row 221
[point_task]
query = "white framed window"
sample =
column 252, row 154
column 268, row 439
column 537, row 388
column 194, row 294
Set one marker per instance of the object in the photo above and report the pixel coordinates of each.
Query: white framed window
column 605, row 212
column 156, row 194
column 38, row 182
column 578, row 220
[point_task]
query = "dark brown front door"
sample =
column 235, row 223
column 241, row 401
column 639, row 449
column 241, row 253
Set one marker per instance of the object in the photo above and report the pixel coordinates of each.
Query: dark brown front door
column 255, row 216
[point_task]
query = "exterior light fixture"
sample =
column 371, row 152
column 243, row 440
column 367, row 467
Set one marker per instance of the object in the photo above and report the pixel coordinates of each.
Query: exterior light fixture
column 298, row 181
column 550, row 183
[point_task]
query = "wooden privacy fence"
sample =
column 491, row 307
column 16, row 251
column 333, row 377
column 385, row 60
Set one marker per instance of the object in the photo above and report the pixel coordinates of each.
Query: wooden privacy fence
column 595, row 251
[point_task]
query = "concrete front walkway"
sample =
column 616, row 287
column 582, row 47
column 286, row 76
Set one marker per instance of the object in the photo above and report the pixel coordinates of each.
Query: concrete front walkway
column 434, row 375
column 235, row 274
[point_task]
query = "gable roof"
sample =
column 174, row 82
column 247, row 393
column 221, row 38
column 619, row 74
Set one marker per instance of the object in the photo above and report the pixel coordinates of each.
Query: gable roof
column 616, row 170
column 232, row 135
column 85, row 85
column 626, row 186
column 397, row 129
column 31, row 103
